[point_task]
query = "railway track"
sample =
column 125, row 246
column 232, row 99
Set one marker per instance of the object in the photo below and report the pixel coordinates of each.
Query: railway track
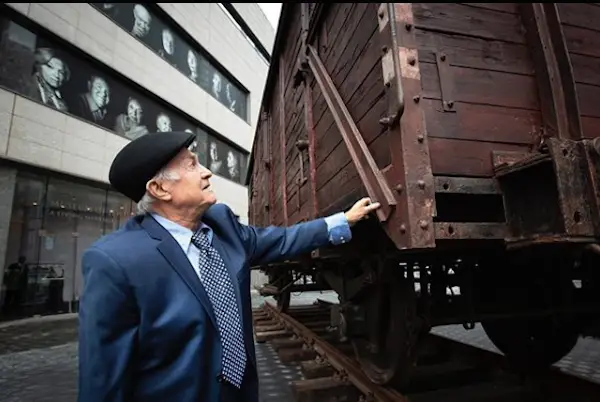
column 447, row 371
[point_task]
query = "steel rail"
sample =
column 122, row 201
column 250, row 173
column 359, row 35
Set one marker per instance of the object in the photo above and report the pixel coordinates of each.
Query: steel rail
column 347, row 367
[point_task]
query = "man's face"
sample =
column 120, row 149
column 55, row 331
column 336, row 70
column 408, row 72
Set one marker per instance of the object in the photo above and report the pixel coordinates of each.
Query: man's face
column 134, row 111
column 193, row 187
column 99, row 91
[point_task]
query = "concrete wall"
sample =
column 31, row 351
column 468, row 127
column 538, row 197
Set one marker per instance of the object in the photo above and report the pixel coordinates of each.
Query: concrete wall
column 258, row 23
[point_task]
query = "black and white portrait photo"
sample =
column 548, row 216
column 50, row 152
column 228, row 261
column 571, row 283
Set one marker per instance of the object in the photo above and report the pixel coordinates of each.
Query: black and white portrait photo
column 230, row 100
column 192, row 63
column 141, row 21
column 168, row 44
column 50, row 74
column 224, row 160
column 233, row 166
column 216, row 86
column 214, row 159
column 93, row 104
column 163, row 122
column 129, row 124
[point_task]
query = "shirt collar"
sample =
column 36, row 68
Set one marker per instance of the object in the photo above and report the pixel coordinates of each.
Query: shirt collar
column 182, row 235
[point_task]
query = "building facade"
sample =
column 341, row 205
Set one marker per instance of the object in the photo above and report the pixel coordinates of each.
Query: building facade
column 78, row 81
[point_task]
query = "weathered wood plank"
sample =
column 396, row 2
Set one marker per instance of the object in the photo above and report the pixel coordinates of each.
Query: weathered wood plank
column 483, row 87
column 469, row 21
column 358, row 57
column 580, row 15
column 482, row 123
column 465, row 158
column 588, row 96
column 582, row 41
column 483, row 54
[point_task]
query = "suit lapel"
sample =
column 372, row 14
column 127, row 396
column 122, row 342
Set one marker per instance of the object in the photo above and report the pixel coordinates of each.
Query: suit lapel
column 172, row 252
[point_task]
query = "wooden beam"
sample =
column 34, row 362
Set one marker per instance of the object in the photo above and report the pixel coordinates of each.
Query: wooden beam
column 554, row 73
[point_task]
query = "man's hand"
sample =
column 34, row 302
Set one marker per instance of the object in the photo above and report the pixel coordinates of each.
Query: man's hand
column 361, row 210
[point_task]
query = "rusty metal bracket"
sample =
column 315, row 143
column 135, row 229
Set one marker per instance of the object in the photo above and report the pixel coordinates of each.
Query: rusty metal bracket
column 446, row 81
column 390, row 59
column 302, row 69
column 371, row 176
column 302, row 145
column 410, row 172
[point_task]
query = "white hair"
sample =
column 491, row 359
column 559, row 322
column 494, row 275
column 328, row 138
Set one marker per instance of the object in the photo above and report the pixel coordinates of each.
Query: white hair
column 145, row 204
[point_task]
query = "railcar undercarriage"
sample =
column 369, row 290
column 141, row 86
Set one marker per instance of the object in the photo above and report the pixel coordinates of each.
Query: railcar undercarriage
column 533, row 304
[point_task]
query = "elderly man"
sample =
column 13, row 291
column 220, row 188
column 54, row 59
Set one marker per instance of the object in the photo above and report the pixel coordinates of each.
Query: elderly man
column 165, row 313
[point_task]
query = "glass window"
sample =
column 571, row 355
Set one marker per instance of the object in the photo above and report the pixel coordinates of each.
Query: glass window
column 118, row 211
column 73, row 221
column 25, row 235
column 54, row 221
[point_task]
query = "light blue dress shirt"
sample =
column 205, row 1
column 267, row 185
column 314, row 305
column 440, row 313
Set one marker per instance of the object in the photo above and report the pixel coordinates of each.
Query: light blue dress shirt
column 337, row 226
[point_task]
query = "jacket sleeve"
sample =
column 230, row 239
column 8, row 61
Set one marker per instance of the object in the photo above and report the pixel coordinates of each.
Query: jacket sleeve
column 273, row 243
column 108, row 325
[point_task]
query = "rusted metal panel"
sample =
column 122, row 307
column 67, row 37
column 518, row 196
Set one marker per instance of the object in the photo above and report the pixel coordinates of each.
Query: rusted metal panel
column 465, row 185
column 470, row 231
column 569, row 159
column 282, row 139
column 411, row 225
column 556, row 85
column 446, row 81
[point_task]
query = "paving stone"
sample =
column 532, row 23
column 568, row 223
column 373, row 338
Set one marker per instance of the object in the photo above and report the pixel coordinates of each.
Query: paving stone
column 38, row 361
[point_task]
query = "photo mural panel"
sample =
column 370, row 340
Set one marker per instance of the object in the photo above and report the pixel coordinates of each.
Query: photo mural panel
column 149, row 28
column 45, row 71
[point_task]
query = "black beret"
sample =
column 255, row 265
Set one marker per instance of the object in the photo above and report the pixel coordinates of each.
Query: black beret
column 142, row 158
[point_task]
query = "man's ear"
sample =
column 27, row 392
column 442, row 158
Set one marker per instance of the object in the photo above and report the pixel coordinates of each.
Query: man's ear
column 158, row 190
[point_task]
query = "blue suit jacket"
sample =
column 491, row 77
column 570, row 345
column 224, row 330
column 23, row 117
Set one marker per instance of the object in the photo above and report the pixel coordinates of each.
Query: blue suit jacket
column 147, row 331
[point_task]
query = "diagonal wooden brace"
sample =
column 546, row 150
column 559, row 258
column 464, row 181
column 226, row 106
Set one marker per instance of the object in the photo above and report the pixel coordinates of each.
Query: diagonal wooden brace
column 371, row 176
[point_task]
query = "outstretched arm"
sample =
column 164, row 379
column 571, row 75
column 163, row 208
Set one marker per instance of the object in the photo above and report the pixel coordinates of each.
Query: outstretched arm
column 108, row 322
column 274, row 243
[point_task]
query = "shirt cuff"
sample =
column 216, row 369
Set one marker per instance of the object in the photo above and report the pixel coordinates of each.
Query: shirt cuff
column 338, row 229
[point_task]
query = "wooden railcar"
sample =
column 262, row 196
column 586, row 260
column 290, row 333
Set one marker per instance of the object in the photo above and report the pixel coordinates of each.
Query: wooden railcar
column 476, row 127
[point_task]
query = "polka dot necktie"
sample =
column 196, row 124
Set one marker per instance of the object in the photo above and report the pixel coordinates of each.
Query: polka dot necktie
column 218, row 286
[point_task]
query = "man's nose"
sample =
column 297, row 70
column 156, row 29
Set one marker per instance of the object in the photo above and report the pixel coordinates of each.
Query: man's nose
column 206, row 173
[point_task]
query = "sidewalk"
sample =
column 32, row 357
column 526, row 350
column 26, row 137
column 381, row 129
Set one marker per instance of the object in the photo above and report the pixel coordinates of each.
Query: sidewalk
column 38, row 359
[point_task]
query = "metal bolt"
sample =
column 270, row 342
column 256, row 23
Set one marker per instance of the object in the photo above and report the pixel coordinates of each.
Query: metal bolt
column 384, row 49
column 408, row 26
column 450, row 104
column 421, row 184
column 403, row 228
column 443, row 57
column 399, row 188
column 412, row 60
column 423, row 224
column 385, row 121
column 416, row 98
column 388, row 84
column 381, row 14
column 420, row 138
